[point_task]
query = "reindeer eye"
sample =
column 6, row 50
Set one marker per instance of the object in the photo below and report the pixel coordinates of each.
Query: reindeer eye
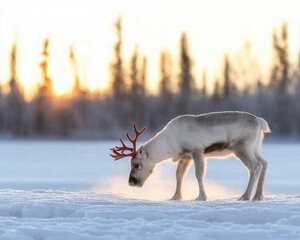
column 136, row 166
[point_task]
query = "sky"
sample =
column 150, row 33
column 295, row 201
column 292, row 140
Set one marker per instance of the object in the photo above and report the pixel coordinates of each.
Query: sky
column 214, row 27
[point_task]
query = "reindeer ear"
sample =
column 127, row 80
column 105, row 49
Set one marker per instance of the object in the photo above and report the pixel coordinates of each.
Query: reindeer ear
column 142, row 153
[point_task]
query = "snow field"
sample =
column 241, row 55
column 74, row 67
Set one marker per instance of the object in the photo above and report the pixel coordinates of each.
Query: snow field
column 57, row 190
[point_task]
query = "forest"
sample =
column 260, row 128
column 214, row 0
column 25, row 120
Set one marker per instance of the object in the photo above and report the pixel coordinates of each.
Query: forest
column 88, row 115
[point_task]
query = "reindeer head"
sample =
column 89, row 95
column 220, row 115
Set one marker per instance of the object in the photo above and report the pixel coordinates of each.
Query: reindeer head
column 140, row 167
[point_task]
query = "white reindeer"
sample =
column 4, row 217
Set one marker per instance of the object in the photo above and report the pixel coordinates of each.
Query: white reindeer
column 197, row 137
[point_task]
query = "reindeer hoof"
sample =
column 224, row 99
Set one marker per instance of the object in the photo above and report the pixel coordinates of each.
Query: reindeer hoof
column 201, row 198
column 244, row 198
column 176, row 197
column 258, row 197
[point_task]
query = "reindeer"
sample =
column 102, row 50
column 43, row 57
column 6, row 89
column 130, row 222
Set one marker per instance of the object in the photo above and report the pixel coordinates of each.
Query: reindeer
column 197, row 137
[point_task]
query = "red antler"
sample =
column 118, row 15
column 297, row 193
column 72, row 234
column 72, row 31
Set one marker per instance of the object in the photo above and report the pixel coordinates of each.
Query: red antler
column 118, row 152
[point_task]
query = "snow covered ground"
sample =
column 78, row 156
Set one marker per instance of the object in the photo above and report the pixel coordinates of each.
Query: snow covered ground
column 74, row 190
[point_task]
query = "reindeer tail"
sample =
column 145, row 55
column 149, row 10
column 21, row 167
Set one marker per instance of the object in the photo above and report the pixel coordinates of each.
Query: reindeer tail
column 264, row 125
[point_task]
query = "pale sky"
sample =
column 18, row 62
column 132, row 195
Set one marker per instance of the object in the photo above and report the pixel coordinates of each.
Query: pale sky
column 213, row 27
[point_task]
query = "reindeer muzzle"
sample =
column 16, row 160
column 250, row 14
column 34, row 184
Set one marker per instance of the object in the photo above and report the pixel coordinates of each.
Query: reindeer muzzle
column 133, row 182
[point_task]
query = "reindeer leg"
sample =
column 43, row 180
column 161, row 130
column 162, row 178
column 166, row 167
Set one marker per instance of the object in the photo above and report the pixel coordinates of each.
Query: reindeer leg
column 180, row 172
column 199, row 162
column 260, row 185
column 254, row 167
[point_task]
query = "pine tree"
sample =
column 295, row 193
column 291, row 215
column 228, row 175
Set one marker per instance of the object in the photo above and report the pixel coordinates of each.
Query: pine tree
column 246, row 70
column 137, row 81
column 144, row 76
column 259, row 86
column 280, row 79
column 165, row 74
column 120, row 101
column 228, row 88
column 217, row 91
column 118, row 80
column 46, row 86
column 15, row 100
column 77, row 91
column 79, row 101
column 204, row 83
column 42, row 102
column 134, row 77
column 165, row 90
column 186, row 80
column 143, row 91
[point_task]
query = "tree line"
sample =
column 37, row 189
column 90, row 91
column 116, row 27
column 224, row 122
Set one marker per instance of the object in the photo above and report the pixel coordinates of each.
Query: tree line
column 89, row 115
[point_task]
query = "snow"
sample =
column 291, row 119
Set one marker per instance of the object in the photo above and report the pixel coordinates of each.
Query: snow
column 72, row 190
column 47, row 214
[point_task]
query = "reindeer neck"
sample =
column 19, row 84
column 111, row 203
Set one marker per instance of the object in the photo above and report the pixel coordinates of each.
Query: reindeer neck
column 158, row 147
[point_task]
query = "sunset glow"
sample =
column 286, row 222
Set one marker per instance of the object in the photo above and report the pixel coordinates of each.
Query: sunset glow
column 213, row 28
